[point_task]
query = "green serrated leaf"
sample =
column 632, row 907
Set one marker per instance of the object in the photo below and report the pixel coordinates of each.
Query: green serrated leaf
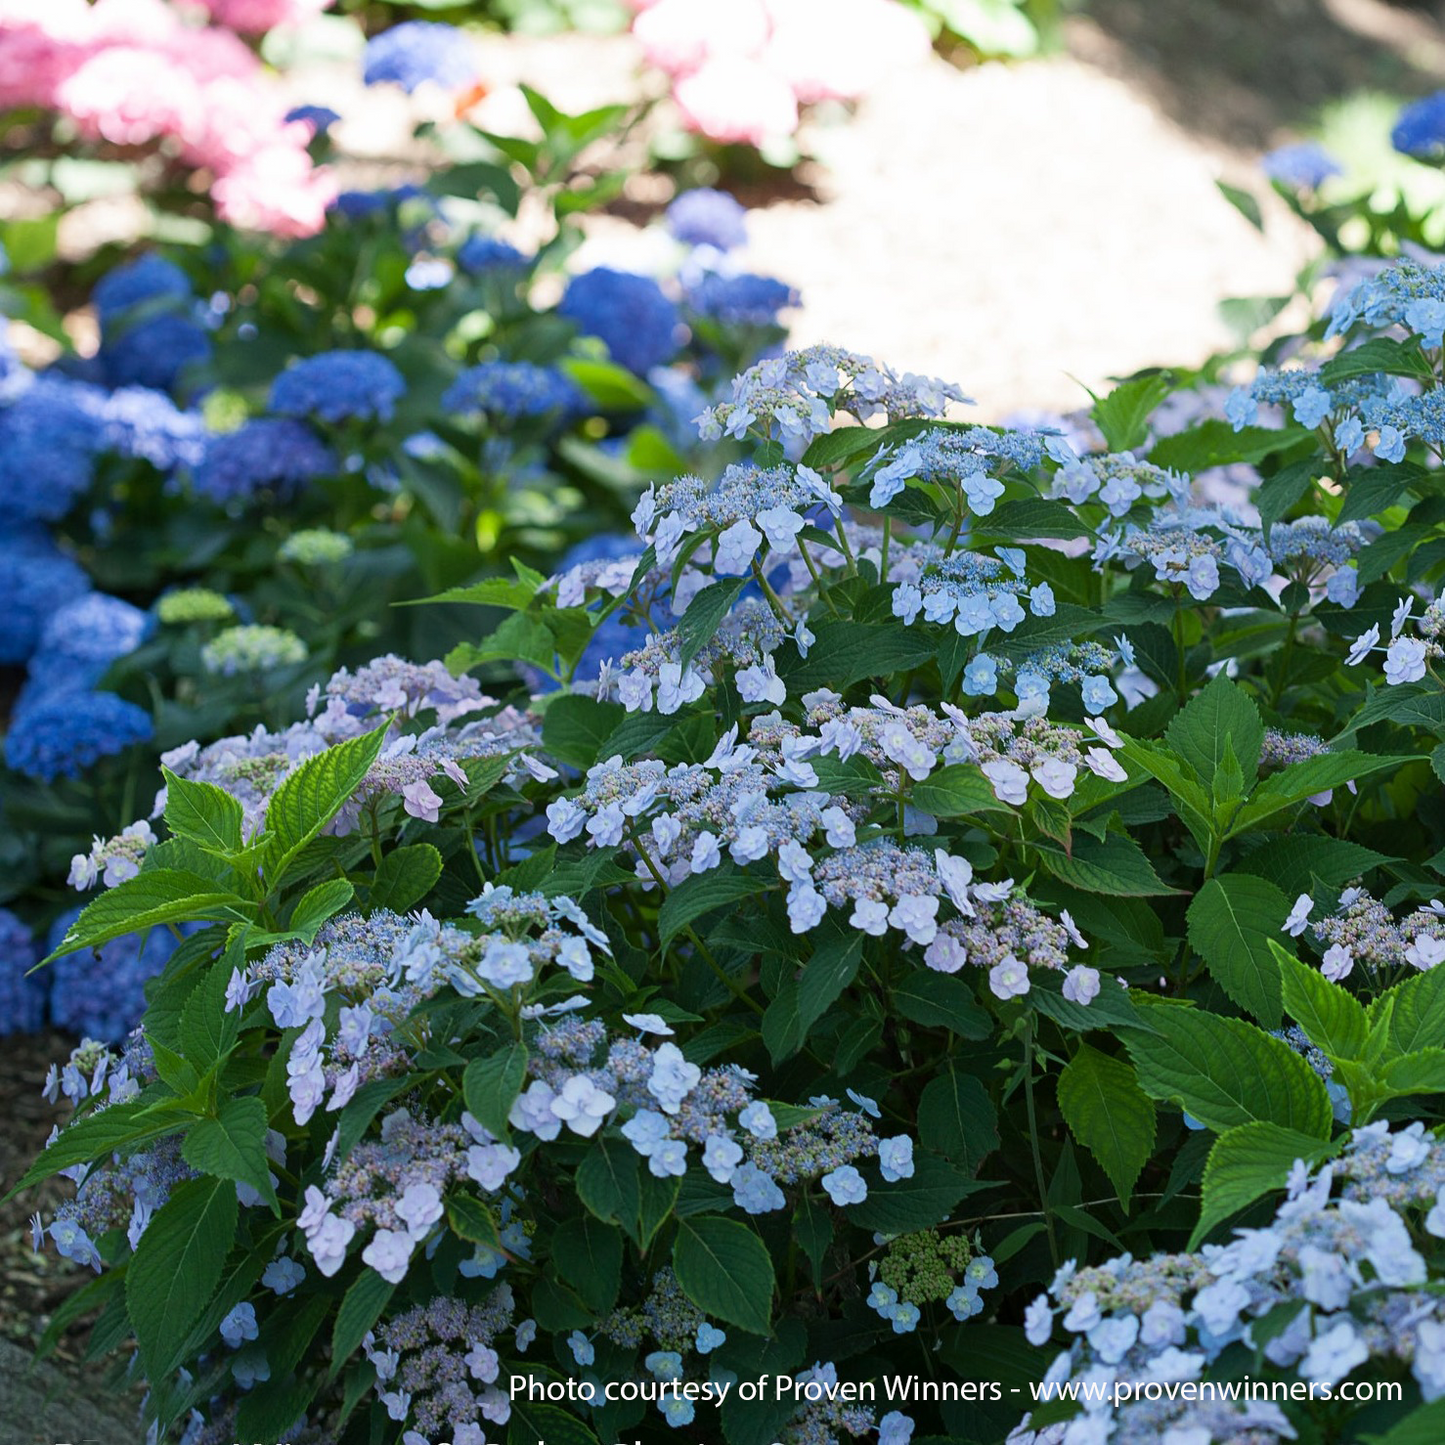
column 1248, row 1162
column 1232, row 923
column 1225, row 1072
column 1109, row 1114
column 232, row 1145
column 404, row 877
column 490, row 1087
column 726, row 1271
column 177, row 1266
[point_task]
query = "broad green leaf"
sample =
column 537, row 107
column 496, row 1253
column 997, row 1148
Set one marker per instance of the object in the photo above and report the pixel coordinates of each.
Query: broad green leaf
column 938, row 1000
column 1378, row 354
column 1248, row 1162
column 205, row 814
column 704, row 616
column 1416, row 1010
column 312, row 796
column 612, row 387
column 726, row 1271
column 588, row 1255
column 1123, row 415
column 95, row 1136
column 404, row 877
column 207, row 1030
column 360, row 1309
column 575, row 727
column 512, row 594
column 490, row 1087
column 1333, row 1017
column 1233, row 922
column 830, row 970
column 1225, row 1072
column 957, row 1118
column 232, row 1145
column 318, row 904
column 1222, row 710
column 533, row 1423
column 1114, row 864
column 471, row 1220
column 157, row 895
column 1293, row 860
column 927, row 1198
column 177, row 1266
column 956, row 791
column 1419, row 1072
column 1194, row 804
column 1215, row 443
column 782, row 1025
column 700, row 894
column 847, row 652
column 1303, row 780
column 1424, row 1425
column 607, row 1182
column 1109, row 1114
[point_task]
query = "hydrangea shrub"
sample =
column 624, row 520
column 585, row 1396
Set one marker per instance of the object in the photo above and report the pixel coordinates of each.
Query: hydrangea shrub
column 980, row 924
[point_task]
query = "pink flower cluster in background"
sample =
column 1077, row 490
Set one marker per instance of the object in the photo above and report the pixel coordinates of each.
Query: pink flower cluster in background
column 741, row 70
column 255, row 17
column 138, row 73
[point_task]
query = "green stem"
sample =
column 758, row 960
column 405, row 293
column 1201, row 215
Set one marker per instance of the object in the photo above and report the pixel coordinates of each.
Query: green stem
column 813, row 571
column 1034, row 1144
column 733, row 986
column 774, row 601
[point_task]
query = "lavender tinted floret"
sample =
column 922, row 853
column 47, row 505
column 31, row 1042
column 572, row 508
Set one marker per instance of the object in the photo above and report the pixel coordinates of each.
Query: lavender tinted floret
column 707, row 217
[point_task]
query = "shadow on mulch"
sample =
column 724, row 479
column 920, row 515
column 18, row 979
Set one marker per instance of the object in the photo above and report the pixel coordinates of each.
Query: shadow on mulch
column 1246, row 71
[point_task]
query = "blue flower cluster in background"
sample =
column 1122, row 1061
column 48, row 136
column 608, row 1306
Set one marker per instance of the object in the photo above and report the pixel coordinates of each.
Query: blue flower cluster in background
column 339, row 386
column 98, row 994
column 266, row 452
column 630, row 313
column 22, row 994
column 150, row 333
column 705, row 217
column 1420, row 127
column 417, row 53
column 508, row 389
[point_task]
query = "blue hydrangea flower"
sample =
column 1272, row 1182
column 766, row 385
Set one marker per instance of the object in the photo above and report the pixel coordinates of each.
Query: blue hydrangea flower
column 99, row 993
column 482, row 254
column 65, row 734
column 148, row 278
column 417, row 52
column 511, row 389
column 705, row 217
column 337, row 386
column 270, row 452
column 48, row 444
column 36, row 578
column 742, row 300
column 358, row 205
column 95, row 628
column 154, row 352
column 628, row 312
column 22, row 994
column 1420, row 127
column 146, row 425
column 1303, row 167
column 319, row 117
